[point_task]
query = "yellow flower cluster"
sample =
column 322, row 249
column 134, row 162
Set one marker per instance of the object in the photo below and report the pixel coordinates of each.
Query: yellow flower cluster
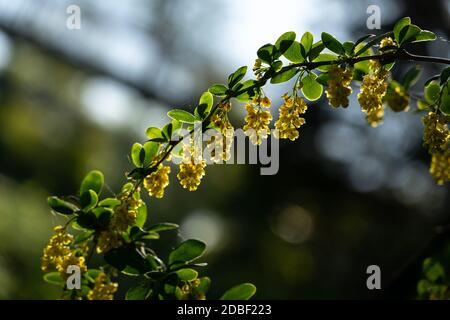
column 289, row 120
column 398, row 99
column 257, row 120
column 191, row 174
column 157, row 181
column 103, row 288
column 219, row 146
column 436, row 134
column 59, row 255
column 373, row 89
column 189, row 291
column 339, row 88
column 124, row 216
column 440, row 166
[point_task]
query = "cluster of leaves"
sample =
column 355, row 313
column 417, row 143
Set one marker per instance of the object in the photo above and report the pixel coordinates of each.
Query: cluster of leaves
column 435, row 284
column 312, row 62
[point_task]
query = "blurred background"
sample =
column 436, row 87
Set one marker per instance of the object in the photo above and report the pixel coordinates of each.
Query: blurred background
column 346, row 195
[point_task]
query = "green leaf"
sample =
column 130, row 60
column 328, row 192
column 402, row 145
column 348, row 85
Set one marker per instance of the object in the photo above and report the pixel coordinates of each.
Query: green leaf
column 237, row 76
column 205, row 284
column 311, row 89
column 83, row 237
column 409, row 33
column 87, row 220
column 139, row 292
column 109, row 202
column 332, row 44
column 181, row 115
column 293, row 54
column 219, row 90
column 266, row 53
column 245, row 91
column 425, row 35
column 168, row 129
column 432, row 269
column 432, row 91
column 411, row 77
column 128, row 260
column 187, row 274
column 362, row 39
column 323, row 79
column 284, row 76
column 325, row 57
column 316, row 49
column 150, row 150
column 444, row 106
column 92, row 181
column 61, row 206
column 103, row 215
column 349, row 46
column 155, row 134
column 92, row 274
column 399, row 26
column 187, row 251
column 240, row 292
column 284, row 42
column 205, row 105
column 445, row 75
column 88, row 200
column 307, row 43
column 164, row 226
column 54, row 278
column 136, row 150
column 277, row 65
column 141, row 216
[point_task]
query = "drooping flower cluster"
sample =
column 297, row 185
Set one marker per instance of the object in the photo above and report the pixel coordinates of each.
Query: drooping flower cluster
column 290, row 120
column 257, row 119
column 103, row 288
column 220, row 143
column 436, row 135
column 192, row 168
column 58, row 254
column 339, row 88
column 157, row 181
column 373, row 89
column 397, row 99
column 440, row 166
column 123, row 217
column 191, row 174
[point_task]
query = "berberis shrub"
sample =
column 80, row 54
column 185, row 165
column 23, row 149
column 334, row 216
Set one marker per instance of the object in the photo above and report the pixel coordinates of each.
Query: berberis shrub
column 116, row 228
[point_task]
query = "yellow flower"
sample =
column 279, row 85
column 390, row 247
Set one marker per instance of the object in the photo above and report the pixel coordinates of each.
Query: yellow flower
column 387, row 42
column 257, row 120
column 103, row 288
column 107, row 240
column 157, row 181
column 219, row 146
column 440, row 167
column 57, row 248
column 373, row 89
column 191, row 174
column 289, row 120
column 398, row 99
column 436, row 135
column 338, row 88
